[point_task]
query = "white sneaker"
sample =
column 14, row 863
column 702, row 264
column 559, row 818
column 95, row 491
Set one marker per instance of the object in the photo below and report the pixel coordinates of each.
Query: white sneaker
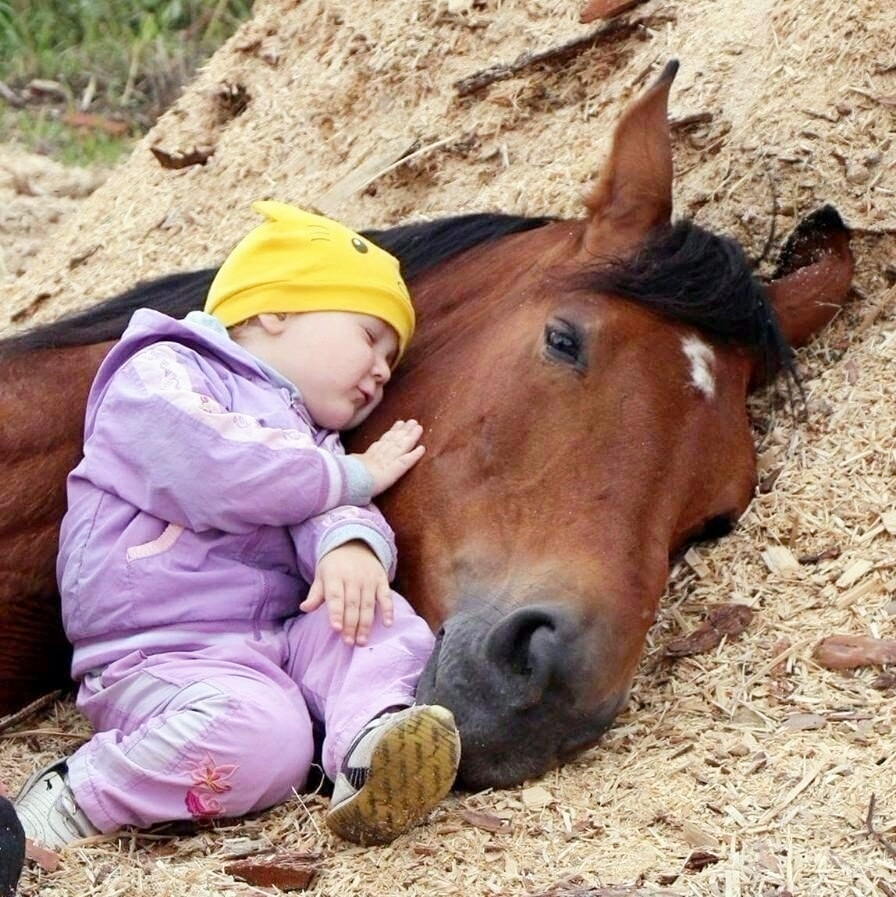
column 47, row 809
column 398, row 769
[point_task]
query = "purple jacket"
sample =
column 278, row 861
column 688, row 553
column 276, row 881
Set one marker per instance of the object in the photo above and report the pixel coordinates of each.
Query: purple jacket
column 204, row 500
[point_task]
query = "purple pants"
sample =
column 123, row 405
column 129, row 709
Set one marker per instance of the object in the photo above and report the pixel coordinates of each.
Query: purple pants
column 228, row 729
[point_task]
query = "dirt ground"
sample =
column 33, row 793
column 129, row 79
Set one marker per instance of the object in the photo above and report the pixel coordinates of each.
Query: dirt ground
column 751, row 770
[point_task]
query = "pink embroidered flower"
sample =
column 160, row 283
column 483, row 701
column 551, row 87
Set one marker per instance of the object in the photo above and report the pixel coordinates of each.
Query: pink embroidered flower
column 211, row 777
column 200, row 807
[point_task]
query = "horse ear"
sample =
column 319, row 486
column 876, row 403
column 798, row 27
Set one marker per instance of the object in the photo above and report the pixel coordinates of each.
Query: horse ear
column 634, row 191
column 813, row 276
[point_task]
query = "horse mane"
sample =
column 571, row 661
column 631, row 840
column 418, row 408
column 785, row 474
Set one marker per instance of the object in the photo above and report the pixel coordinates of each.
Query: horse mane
column 419, row 247
column 688, row 274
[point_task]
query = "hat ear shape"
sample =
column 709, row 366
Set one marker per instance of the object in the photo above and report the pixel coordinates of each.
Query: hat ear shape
column 282, row 211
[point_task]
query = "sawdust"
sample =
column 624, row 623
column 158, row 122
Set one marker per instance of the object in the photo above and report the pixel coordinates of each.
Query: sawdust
column 750, row 770
column 36, row 196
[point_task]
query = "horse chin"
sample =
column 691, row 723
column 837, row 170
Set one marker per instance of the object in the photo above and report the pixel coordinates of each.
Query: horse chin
column 514, row 687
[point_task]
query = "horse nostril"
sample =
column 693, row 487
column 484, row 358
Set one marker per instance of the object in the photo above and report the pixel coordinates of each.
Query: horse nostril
column 527, row 645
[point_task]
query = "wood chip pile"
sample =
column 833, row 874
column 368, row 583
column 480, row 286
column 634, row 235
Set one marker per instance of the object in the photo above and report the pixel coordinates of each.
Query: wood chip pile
column 748, row 766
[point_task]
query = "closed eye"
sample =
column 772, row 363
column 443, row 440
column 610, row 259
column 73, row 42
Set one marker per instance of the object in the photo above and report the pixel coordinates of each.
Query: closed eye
column 563, row 343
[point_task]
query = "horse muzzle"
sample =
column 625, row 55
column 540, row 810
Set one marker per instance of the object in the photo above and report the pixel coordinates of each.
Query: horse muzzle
column 520, row 688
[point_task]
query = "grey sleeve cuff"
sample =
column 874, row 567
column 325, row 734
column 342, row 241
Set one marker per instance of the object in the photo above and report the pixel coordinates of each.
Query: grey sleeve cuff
column 358, row 482
column 357, row 531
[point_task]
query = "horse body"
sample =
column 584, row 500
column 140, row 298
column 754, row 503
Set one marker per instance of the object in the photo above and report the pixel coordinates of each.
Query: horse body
column 42, row 400
column 583, row 387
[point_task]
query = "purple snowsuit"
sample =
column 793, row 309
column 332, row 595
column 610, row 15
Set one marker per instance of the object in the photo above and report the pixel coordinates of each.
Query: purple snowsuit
column 205, row 498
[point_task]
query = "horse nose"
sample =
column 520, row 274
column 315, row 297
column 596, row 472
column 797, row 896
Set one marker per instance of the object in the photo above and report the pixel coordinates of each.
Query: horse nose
column 528, row 647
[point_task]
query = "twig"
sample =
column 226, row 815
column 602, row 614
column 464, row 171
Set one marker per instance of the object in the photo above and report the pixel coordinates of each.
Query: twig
column 877, row 231
column 13, row 719
column 55, row 733
column 872, row 832
column 482, row 79
column 770, row 814
column 690, row 121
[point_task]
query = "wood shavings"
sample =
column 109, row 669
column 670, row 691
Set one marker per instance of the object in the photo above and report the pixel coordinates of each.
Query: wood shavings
column 803, row 722
column 606, row 9
column 780, row 560
column 862, row 591
column 286, row 871
column 395, row 152
column 846, row 652
column 340, row 79
column 872, row 832
column 536, row 797
column 48, row 860
column 853, row 573
column 487, row 821
column 182, row 158
column 29, row 710
column 696, row 837
column 727, row 621
column 555, row 55
column 694, row 560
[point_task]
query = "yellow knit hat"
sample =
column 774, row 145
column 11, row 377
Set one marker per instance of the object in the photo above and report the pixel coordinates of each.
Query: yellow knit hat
column 296, row 262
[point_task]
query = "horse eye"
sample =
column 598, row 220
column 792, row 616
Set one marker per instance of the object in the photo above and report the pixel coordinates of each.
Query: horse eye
column 562, row 343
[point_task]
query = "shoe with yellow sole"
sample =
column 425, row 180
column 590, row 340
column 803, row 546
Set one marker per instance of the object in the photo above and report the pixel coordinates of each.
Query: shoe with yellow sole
column 396, row 772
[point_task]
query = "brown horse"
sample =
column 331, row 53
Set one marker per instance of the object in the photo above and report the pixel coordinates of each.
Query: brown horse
column 583, row 388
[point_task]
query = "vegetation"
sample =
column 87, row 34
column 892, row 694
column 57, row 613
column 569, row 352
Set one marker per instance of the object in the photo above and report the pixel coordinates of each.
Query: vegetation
column 81, row 79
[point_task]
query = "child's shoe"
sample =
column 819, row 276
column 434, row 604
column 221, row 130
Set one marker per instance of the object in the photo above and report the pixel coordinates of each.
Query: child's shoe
column 397, row 770
column 47, row 809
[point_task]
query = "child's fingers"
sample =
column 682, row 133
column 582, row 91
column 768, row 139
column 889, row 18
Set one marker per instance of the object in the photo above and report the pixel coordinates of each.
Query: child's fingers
column 402, row 463
column 367, row 613
column 414, row 455
column 351, row 613
column 334, row 595
column 384, row 600
column 403, row 431
column 314, row 599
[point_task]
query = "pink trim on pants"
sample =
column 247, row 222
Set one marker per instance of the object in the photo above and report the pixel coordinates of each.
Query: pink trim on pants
column 227, row 730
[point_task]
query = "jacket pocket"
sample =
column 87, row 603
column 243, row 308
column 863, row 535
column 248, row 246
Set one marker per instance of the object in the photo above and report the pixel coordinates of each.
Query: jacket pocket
column 162, row 543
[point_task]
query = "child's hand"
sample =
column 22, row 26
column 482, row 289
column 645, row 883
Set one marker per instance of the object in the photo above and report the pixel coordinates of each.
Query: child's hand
column 393, row 454
column 351, row 581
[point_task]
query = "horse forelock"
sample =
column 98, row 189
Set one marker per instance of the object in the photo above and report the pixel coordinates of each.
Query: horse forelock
column 693, row 276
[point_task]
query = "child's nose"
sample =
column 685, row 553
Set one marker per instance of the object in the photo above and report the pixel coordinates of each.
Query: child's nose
column 381, row 370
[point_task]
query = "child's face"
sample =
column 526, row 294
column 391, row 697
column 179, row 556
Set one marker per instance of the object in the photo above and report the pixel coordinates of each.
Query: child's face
column 339, row 360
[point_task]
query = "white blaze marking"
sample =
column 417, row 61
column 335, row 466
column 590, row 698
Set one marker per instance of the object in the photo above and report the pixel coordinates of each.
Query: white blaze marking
column 701, row 358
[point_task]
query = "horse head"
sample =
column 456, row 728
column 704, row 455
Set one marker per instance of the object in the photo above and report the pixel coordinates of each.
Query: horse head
column 583, row 391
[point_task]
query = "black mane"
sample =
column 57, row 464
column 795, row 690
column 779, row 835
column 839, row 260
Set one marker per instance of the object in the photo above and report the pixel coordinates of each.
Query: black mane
column 419, row 247
column 682, row 272
column 690, row 275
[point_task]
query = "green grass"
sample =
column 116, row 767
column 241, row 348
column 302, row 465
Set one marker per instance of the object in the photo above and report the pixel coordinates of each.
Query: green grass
column 116, row 59
column 42, row 131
